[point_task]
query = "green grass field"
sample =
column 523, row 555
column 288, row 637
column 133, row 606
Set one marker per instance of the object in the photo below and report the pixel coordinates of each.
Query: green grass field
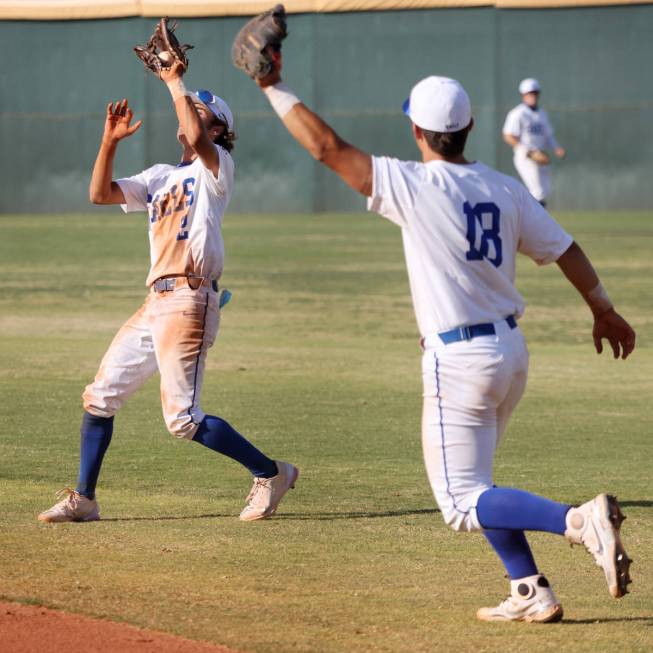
column 317, row 362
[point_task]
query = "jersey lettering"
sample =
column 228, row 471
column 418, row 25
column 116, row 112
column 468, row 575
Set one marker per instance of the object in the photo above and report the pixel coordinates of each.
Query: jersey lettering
column 189, row 190
column 175, row 201
column 183, row 232
column 169, row 201
column 483, row 234
column 189, row 194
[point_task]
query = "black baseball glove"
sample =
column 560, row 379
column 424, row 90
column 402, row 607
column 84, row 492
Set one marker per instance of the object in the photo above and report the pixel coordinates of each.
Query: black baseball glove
column 162, row 49
column 263, row 33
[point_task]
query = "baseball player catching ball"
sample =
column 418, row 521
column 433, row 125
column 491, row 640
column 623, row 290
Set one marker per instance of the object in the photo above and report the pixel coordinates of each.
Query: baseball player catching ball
column 462, row 225
column 528, row 131
column 178, row 322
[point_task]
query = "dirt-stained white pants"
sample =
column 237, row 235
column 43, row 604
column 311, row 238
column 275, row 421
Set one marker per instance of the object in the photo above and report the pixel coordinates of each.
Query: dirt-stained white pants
column 470, row 390
column 171, row 332
column 536, row 178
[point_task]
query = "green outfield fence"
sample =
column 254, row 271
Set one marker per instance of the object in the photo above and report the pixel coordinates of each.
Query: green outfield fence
column 595, row 66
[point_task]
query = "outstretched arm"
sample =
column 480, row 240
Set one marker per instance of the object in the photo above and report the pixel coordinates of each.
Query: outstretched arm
column 320, row 140
column 191, row 123
column 102, row 189
column 607, row 323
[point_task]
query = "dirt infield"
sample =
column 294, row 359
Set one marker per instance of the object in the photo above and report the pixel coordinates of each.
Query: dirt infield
column 34, row 629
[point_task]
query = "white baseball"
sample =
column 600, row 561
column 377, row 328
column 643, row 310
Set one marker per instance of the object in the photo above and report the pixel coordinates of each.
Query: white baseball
column 166, row 58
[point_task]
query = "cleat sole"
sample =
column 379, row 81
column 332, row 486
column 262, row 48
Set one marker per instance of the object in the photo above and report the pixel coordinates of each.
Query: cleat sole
column 551, row 616
column 548, row 616
column 621, row 560
column 615, row 515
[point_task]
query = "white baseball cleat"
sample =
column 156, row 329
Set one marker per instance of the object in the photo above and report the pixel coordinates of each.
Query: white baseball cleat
column 596, row 525
column 266, row 493
column 531, row 599
column 73, row 507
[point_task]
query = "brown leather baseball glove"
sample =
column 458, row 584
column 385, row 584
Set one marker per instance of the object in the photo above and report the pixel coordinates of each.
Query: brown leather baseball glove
column 251, row 47
column 162, row 49
column 540, row 157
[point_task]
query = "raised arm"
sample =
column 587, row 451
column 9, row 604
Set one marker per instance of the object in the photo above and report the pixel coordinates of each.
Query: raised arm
column 607, row 323
column 352, row 165
column 190, row 121
column 102, row 189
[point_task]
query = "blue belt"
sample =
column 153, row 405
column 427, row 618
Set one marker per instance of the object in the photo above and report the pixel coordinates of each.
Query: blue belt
column 473, row 331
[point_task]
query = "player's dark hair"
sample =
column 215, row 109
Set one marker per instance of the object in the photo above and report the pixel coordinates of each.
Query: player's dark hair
column 226, row 138
column 449, row 145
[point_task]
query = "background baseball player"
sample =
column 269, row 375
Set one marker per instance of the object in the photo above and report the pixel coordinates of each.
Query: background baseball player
column 462, row 224
column 179, row 320
column 528, row 131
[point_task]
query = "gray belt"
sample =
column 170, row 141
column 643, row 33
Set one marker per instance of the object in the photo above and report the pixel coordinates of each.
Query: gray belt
column 168, row 283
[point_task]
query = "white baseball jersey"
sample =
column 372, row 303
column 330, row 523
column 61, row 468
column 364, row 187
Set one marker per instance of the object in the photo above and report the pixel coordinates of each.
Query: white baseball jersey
column 172, row 331
column 462, row 226
column 531, row 127
column 185, row 204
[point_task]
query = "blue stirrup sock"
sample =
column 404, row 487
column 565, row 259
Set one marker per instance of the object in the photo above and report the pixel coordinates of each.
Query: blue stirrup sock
column 216, row 434
column 514, row 551
column 517, row 510
column 96, row 435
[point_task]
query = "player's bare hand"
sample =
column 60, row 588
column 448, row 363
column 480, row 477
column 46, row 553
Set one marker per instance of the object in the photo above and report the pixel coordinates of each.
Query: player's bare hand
column 275, row 76
column 621, row 336
column 175, row 71
column 118, row 122
column 560, row 152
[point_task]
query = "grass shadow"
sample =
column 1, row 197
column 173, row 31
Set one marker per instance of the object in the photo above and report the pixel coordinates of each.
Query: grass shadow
column 648, row 621
column 168, row 517
column 308, row 516
column 327, row 516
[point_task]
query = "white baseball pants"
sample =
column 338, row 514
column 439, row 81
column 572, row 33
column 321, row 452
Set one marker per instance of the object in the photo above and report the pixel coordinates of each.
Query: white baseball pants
column 171, row 332
column 470, row 390
column 536, row 178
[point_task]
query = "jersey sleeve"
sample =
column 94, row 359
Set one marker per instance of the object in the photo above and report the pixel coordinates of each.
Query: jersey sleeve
column 541, row 237
column 511, row 125
column 223, row 184
column 135, row 191
column 394, row 189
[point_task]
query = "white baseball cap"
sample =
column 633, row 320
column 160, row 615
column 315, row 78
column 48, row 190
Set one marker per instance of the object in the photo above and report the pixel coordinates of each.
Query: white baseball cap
column 439, row 104
column 217, row 105
column 529, row 85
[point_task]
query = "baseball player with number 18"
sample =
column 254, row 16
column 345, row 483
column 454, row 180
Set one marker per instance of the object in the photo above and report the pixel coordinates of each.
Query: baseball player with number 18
column 179, row 320
column 462, row 225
